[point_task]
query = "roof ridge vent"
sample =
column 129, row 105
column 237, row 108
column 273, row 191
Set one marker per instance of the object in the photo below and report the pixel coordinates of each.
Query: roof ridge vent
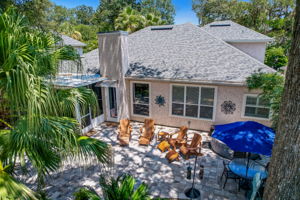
column 161, row 28
column 219, row 25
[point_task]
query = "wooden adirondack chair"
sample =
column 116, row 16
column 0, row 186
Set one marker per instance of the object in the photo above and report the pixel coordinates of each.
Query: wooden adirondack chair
column 172, row 155
column 192, row 149
column 124, row 132
column 181, row 137
column 147, row 132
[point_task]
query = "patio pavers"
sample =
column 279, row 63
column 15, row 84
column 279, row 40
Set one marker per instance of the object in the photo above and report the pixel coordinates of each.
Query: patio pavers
column 147, row 164
column 167, row 180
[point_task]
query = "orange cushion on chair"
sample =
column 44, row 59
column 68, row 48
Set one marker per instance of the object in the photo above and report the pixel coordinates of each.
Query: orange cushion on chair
column 163, row 146
column 124, row 140
column 144, row 141
column 184, row 150
column 172, row 155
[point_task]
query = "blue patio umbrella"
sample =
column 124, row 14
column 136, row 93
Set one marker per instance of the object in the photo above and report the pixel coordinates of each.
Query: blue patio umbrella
column 247, row 136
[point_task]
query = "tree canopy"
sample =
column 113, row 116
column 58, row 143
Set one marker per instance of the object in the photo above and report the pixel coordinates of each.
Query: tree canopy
column 109, row 10
column 83, row 22
column 162, row 8
column 276, row 58
column 131, row 20
column 84, row 14
column 36, row 11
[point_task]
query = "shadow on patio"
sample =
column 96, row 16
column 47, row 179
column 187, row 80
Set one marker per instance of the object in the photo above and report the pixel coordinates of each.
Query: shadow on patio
column 167, row 180
column 146, row 164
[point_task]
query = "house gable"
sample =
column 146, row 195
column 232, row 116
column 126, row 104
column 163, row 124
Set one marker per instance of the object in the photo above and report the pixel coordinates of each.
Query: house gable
column 230, row 31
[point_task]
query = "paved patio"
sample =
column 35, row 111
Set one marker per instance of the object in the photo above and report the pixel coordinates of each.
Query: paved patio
column 147, row 164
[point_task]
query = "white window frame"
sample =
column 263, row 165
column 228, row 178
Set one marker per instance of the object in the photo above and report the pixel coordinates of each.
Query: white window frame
column 132, row 101
column 256, row 106
column 199, row 102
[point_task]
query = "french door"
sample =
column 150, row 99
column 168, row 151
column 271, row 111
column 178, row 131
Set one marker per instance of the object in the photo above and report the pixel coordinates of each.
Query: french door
column 111, row 104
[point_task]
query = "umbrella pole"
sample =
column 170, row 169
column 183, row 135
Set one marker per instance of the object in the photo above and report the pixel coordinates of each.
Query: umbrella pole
column 193, row 192
column 247, row 164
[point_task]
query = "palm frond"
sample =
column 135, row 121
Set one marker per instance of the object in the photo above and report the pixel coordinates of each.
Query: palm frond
column 69, row 99
column 123, row 188
column 141, row 193
column 12, row 189
column 92, row 147
column 86, row 194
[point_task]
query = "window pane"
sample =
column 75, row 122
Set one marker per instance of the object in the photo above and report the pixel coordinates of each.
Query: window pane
column 113, row 108
column 250, row 111
column 191, row 111
column 85, row 121
column 251, row 100
column 141, row 93
column 263, row 112
column 178, row 94
column 207, row 96
column 192, row 95
column 139, row 109
column 177, row 109
column 98, row 93
column 262, row 102
column 257, row 112
column 206, row 112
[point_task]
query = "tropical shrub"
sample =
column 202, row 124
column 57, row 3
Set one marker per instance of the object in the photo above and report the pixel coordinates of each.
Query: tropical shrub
column 122, row 188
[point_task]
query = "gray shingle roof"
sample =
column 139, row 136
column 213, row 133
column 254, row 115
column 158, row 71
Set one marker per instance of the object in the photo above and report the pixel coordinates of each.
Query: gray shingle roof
column 90, row 62
column 72, row 42
column 188, row 53
column 230, row 31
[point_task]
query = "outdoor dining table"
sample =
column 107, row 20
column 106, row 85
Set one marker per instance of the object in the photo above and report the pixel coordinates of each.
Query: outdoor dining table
column 239, row 167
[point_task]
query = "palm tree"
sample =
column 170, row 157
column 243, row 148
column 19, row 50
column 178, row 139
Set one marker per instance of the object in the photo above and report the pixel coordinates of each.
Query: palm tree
column 129, row 20
column 122, row 188
column 153, row 20
column 67, row 28
column 42, row 129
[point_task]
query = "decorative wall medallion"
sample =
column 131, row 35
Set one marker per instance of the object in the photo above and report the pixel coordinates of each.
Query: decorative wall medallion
column 160, row 100
column 228, row 107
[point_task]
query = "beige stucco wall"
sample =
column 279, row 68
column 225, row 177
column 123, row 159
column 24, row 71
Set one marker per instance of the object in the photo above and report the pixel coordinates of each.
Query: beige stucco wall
column 113, row 60
column 161, row 115
column 256, row 49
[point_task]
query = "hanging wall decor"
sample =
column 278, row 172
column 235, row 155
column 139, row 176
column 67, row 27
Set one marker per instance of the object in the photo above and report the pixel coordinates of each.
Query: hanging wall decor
column 160, row 100
column 228, row 107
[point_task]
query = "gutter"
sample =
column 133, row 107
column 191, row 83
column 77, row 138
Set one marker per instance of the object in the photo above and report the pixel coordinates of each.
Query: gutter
column 212, row 82
column 250, row 41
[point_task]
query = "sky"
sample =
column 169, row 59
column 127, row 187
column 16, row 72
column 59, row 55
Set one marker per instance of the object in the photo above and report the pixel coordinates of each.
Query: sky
column 184, row 12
